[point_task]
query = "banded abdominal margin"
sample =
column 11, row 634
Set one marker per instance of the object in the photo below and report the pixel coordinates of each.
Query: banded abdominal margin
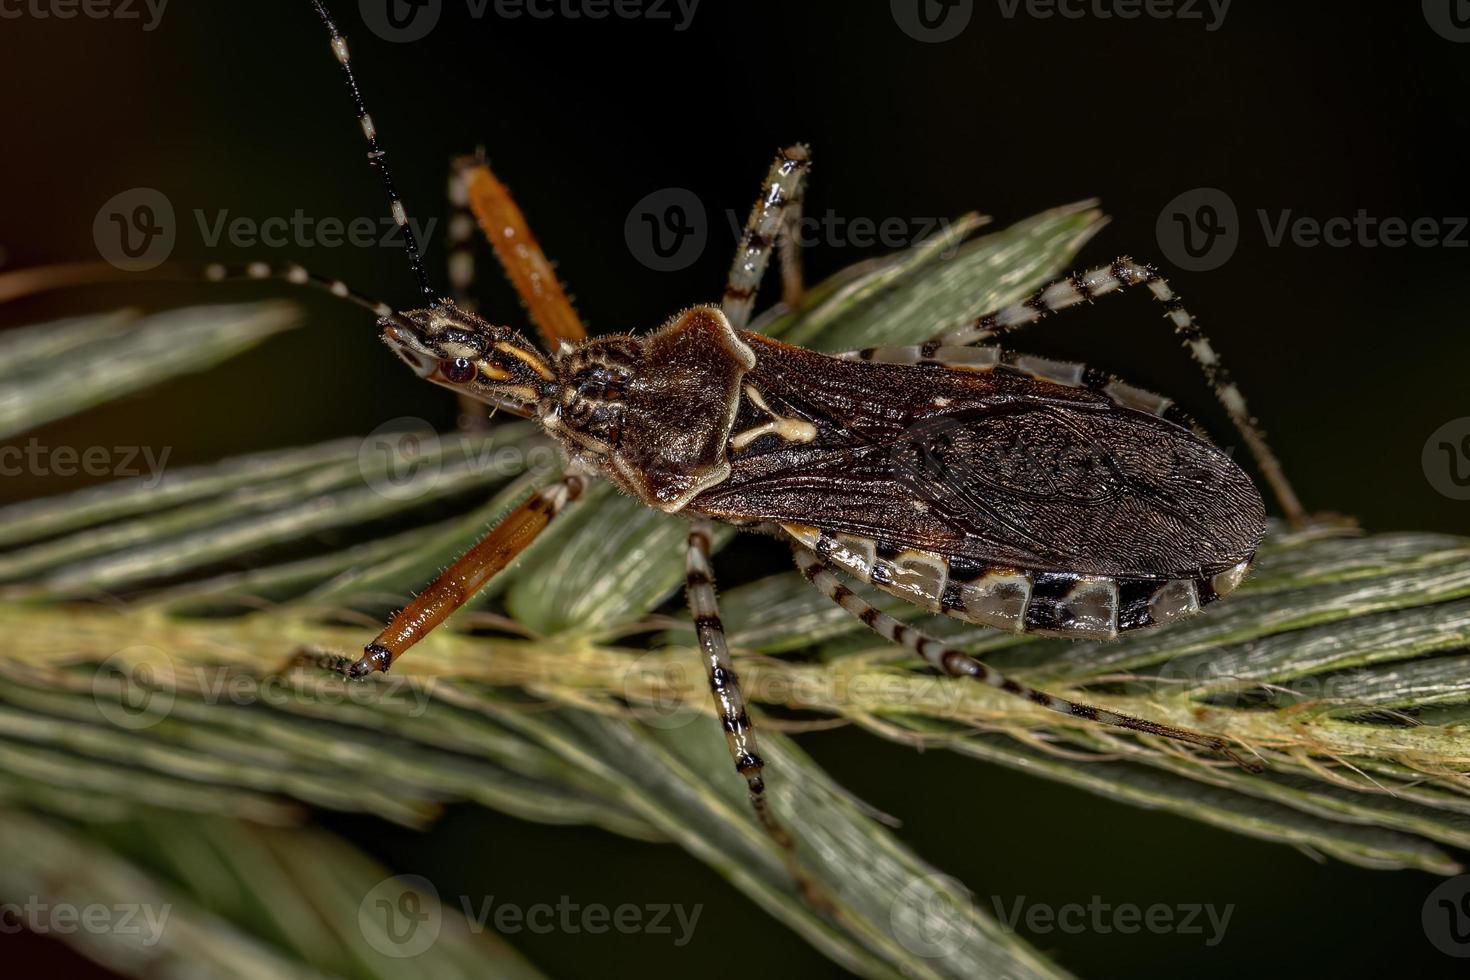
column 1018, row 600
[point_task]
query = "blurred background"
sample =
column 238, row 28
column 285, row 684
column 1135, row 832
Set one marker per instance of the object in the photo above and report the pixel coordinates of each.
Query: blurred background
column 1351, row 348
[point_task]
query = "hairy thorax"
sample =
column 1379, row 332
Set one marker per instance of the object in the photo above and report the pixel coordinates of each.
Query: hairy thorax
column 653, row 413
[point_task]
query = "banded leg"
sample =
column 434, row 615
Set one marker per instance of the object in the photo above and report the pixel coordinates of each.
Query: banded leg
column 730, row 702
column 461, row 240
column 1121, row 274
column 472, row 414
column 520, row 254
column 774, row 219
column 460, row 581
column 957, row 663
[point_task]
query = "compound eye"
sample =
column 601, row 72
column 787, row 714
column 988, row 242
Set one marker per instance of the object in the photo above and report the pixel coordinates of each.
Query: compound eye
column 458, row 371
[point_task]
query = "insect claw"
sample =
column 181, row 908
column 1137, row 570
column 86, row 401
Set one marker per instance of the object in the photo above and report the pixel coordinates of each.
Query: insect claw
column 1250, row 766
column 375, row 656
column 312, row 656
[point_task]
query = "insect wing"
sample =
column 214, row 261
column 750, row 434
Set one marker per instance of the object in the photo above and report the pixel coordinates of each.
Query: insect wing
column 992, row 466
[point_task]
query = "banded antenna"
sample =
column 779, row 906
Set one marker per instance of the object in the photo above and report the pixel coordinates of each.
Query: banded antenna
column 376, row 156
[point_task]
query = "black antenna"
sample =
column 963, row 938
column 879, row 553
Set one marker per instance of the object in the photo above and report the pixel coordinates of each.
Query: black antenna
column 376, row 156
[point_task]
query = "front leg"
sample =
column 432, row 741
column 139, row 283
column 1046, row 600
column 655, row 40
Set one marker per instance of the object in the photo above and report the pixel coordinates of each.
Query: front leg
column 775, row 220
column 460, row 581
column 525, row 264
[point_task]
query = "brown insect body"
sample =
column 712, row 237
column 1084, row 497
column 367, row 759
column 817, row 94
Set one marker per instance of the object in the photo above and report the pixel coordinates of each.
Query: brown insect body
column 654, row 413
column 989, row 493
column 973, row 487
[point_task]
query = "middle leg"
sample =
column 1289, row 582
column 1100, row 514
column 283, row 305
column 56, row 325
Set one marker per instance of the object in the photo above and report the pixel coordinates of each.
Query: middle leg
column 460, row 581
column 730, row 701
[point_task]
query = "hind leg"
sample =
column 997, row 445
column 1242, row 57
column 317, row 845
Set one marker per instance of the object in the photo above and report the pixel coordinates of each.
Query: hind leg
column 1120, row 275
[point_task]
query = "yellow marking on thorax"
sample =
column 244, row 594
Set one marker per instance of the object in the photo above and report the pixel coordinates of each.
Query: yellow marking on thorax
column 535, row 363
column 790, row 429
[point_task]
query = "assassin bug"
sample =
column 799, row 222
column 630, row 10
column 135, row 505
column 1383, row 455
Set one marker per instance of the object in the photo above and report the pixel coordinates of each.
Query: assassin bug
column 996, row 488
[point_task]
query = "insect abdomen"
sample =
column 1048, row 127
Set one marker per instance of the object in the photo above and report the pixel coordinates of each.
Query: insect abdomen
column 1093, row 607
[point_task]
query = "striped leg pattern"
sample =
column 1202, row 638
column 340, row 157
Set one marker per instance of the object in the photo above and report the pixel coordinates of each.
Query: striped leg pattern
column 1121, row 274
column 460, row 581
column 774, row 219
column 472, row 414
column 461, row 233
column 957, row 663
column 729, row 701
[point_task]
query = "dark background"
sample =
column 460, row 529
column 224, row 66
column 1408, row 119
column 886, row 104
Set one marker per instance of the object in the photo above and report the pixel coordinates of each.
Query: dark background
column 1351, row 356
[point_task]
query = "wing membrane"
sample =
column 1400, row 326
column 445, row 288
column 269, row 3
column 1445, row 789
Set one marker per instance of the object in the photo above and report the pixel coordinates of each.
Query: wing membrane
column 993, row 466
